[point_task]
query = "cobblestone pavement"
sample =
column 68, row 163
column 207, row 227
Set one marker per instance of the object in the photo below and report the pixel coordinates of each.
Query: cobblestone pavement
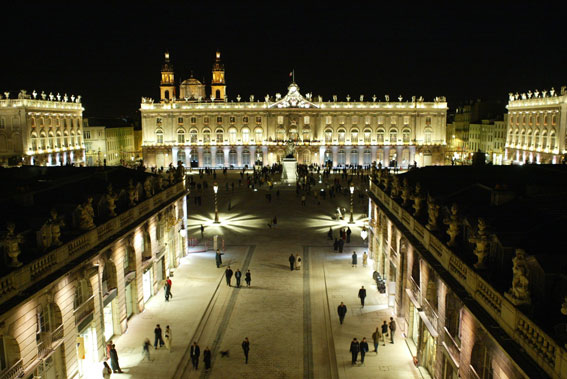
column 289, row 317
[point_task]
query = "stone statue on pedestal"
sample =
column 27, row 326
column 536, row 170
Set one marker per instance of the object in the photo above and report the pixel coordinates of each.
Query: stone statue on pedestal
column 406, row 193
column 148, row 187
column 482, row 244
column 395, row 192
column 417, row 200
column 453, row 222
column 520, row 292
column 110, row 198
column 433, row 213
column 132, row 193
column 55, row 223
column 11, row 243
column 290, row 149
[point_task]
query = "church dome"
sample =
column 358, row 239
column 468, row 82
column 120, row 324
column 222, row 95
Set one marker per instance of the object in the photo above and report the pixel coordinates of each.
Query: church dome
column 191, row 81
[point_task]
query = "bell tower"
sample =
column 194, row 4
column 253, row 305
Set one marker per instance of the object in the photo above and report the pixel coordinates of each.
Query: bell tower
column 218, row 86
column 167, row 84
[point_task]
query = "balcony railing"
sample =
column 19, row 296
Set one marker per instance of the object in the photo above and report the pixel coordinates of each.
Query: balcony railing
column 84, row 310
column 16, row 371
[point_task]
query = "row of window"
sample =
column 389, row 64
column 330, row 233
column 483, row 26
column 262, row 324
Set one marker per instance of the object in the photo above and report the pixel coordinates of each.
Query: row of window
column 306, row 120
column 54, row 143
column 530, row 140
column 49, row 121
column 517, row 119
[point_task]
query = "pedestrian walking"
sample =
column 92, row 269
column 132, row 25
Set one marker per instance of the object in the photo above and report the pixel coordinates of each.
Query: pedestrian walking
column 348, row 233
column 167, row 289
column 362, row 295
column 158, row 337
column 207, row 351
column 363, row 349
column 341, row 310
column 384, row 332
column 392, row 326
column 354, row 349
column 376, row 339
column 218, row 258
column 291, row 262
column 108, row 347
column 297, row 262
column 195, row 353
column 202, row 227
column 146, row 349
column 168, row 338
column 114, row 360
column 228, row 274
column 354, row 258
column 106, row 371
column 364, row 259
column 248, row 278
column 246, row 348
column 237, row 276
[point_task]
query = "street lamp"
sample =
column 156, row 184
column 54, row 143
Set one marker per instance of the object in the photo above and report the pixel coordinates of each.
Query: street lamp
column 216, row 189
column 364, row 233
column 351, row 221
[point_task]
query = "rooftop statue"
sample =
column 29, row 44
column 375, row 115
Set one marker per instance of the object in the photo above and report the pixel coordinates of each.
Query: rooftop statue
column 482, row 244
column 454, row 225
column 11, row 243
column 55, row 223
column 520, row 292
column 290, row 149
column 111, row 201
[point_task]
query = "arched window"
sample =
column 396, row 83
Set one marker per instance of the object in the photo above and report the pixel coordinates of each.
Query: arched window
column 341, row 133
column 536, row 139
column 159, row 136
column 219, row 136
column 43, row 140
column 367, row 158
column 217, row 94
column 427, row 135
column 552, row 140
column 58, row 139
column 406, row 135
column 206, row 136
column 354, row 157
column 232, row 136
column 393, row 136
column 554, row 119
column 293, row 134
column 180, row 135
column 34, row 140
column 219, row 158
column 354, row 136
column 306, row 133
column 367, row 136
column 193, row 135
column 207, row 158
column 246, row 157
column 259, row 135
column 481, row 361
column 517, row 136
column 166, row 94
column 83, row 292
column 529, row 141
column 380, row 135
column 245, row 135
column 341, row 158
column 328, row 135
column 544, row 139
column 280, row 134
column 232, row 158
column 523, row 138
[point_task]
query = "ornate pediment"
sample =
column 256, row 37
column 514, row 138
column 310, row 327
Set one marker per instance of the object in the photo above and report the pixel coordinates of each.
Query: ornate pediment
column 293, row 99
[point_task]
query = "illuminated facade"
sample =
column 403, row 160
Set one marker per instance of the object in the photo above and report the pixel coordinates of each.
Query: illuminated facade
column 44, row 131
column 478, row 291
column 76, row 275
column 214, row 131
column 537, row 124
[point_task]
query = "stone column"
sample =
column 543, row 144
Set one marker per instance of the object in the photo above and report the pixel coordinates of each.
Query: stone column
column 335, row 150
column 200, row 155
column 239, row 156
column 252, row 155
column 226, row 161
column 214, row 156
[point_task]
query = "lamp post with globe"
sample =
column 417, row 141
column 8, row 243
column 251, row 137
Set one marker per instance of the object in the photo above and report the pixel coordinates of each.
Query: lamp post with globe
column 216, row 189
column 351, row 221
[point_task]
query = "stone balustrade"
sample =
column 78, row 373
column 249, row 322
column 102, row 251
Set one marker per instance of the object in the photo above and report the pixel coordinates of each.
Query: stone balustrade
column 541, row 347
column 16, row 371
column 23, row 277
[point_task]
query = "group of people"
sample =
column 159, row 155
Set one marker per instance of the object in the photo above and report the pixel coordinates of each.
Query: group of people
column 294, row 262
column 237, row 275
column 112, row 356
column 380, row 334
column 195, row 353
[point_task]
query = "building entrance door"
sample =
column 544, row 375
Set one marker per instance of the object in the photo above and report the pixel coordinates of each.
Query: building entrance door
column 148, row 284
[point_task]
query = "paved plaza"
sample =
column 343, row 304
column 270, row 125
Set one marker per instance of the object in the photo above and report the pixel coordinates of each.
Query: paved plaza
column 290, row 317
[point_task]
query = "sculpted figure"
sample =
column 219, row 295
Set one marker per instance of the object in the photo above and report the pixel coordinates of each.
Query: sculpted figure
column 482, row 244
column 453, row 222
column 433, row 213
column 520, row 292
column 55, row 223
column 111, row 201
column 417, row 200
column 406, row 193
column 132, row 193
column 11, row 244
column 148, row 188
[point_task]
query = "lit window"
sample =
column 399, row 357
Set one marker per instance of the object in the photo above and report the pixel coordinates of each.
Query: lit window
column 193, row 120
column 159, row 136
column 354, row 136
column 232, row 135
column 245, row 135
column 245, row 120
column 259, row 135
column 328, row 136
column 280, row 120
column 219, row 120
column 258, row 120
column 306, row 120
column 342, row 134
column 180, row 120
column 232, row 119
column 181, row 136
column 219, row 135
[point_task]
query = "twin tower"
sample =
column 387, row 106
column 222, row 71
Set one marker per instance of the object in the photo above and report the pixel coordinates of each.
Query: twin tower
column 192, row 89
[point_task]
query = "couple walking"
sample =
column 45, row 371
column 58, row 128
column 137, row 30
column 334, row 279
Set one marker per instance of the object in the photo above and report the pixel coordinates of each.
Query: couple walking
column 195, row 353
column 358, row 347
column 237, row 275
column 295, row 262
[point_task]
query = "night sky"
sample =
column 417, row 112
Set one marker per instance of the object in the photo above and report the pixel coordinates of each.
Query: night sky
column 112, row 55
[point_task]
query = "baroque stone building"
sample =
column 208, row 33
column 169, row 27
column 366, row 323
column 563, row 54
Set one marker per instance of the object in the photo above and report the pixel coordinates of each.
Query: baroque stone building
column 537, row 123
column 478, row 288
column 41, row 129
column 83, row 250
column 214, row 131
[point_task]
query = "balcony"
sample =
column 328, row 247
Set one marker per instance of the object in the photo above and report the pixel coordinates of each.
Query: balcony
column 84, row 310
column 16, row 371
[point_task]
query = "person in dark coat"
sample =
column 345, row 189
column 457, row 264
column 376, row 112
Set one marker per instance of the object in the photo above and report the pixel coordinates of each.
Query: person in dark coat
column 392, row 326
column 228, row 274
column 354, row 349
column 195, row 353
column 362, row 295
column 248, row 278
column 114, row 360
column 207, row 358
column 342, row 310
column 363, row 349
column 384, row 332
column 341, row 245
column 158, row 337
column 291, row 262
column 336, row 245
column 348, row 233
column 354, row 258
column 218, row 258
column 246, row 348
column 330, row 234
column 238, row 275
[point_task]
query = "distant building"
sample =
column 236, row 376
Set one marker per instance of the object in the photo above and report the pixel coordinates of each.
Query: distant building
column 40, row 129
column 215, row 131
column 489, row 137
column 109, row 141
column 83, row 251
column 537, row 125
column 474, row 266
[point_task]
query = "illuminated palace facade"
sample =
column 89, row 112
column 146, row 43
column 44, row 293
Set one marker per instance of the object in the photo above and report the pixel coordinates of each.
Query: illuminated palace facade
column 41, row 129
column 214, row 131
column 537, row 124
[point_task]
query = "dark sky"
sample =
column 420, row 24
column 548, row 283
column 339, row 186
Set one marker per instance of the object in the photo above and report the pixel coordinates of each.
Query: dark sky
column 112, row 55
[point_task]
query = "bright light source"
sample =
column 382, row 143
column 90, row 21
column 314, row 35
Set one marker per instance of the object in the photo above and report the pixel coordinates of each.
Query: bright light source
column 215, row 187
column 352, row 188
